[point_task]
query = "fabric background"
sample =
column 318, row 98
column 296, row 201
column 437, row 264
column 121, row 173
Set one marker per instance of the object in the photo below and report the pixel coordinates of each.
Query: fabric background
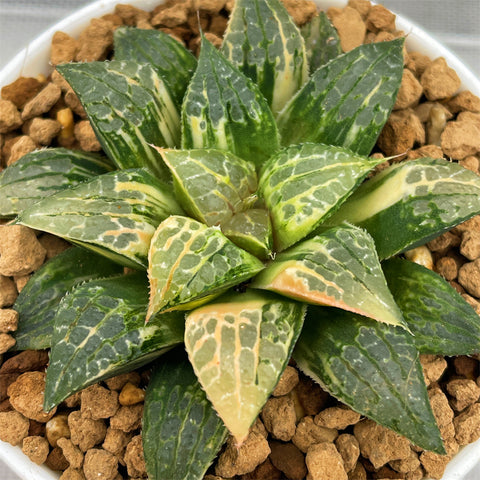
column 454, row 23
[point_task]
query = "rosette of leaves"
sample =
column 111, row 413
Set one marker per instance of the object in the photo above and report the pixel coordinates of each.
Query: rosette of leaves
column 240, row 195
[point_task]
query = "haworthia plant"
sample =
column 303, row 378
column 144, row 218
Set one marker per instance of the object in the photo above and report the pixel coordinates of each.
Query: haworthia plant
column 410, row 203
column 304, row 184
column 190, row 264
column 265, row 44
column 126, row 129
column 211, row 185
column 372, row 367
column 344, row 103
column 100, row 325
column 338, row 268
column 441, row 321
column 44, row 172
column 115, row 214
column 322, row 42
column 305, row 201
column 181, row 431
column 224, row 109
column 170, row 59
column 37, row 303
column 239, row 346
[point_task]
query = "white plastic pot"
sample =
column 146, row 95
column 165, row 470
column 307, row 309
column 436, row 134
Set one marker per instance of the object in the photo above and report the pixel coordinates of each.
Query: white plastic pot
column 34, row 59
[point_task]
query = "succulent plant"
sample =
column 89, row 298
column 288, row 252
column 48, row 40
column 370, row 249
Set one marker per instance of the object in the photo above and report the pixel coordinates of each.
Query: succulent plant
column 239, row 183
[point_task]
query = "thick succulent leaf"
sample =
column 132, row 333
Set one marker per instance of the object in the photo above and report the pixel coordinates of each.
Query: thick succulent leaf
column 371, row 367
column 239, row 346
column 211, row 185
column 190, row 263
column 339, row 268
column 181, row 431
column 252, row 231
column 100, row 332
column 304, row 184
column 44, row 172
column 347, row 101
column 224, row 109
column 442, row 322
column 263, row 41
column 321, row 41
column 114, row 214
column 38, row 301
column 129, row 107
column 410, row 203
column 170, row 59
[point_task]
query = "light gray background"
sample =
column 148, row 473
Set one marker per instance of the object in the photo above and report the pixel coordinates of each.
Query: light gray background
column 455, row 23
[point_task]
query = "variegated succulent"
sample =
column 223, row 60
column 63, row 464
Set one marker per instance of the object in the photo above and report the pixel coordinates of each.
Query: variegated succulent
column 238, row 182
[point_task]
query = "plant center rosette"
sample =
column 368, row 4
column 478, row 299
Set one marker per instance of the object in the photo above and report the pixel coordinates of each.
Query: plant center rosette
column 235, row 189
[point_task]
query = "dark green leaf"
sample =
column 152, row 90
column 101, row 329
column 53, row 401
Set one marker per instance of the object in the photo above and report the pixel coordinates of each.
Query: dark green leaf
column 410, row 203
column 442, row 322
column 170, row 59
column 38, row 301
column 129, row 108
column 371, row 367
column 224, row 109
column 347, row 101
column 263, row 41
column 181, row 432
column 100, row 332
column 321, row 41
column 43, row 172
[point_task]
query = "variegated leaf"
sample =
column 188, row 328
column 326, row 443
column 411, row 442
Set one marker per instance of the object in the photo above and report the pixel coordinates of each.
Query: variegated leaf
column 441, row 320
column 181, row 432
column 190, row 263
column 252, row 231
column 304, row 184
column 37, row 303
column 373, row 368
column 239, row 346
column 321, row 41
column 44, row 172
column 410, row 203
column 211, row 185
column 170, row 59
column 129, row 108
column 100, row 332
column 347, row 101
column 114, row 214
column 224, row 109
column 263, row 41
column 339, row 268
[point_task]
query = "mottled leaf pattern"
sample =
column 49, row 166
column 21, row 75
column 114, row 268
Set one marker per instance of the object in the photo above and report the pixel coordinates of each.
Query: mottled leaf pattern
column 239, row 346
column 441, row 321
column 181, row 431
column 115, row 214
column 304, row 184
column 322, row 42
column 211, row 185
column 252, row 231
column 338, row 268
column 371, row 367
column 129, row 108
column 347, row 101
column 190, row 263
column 263, row 41
column 224, row 109
column 410, row 203
column 43, row 172
column 38, row 301
column 100, row 332
column 170, row 59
